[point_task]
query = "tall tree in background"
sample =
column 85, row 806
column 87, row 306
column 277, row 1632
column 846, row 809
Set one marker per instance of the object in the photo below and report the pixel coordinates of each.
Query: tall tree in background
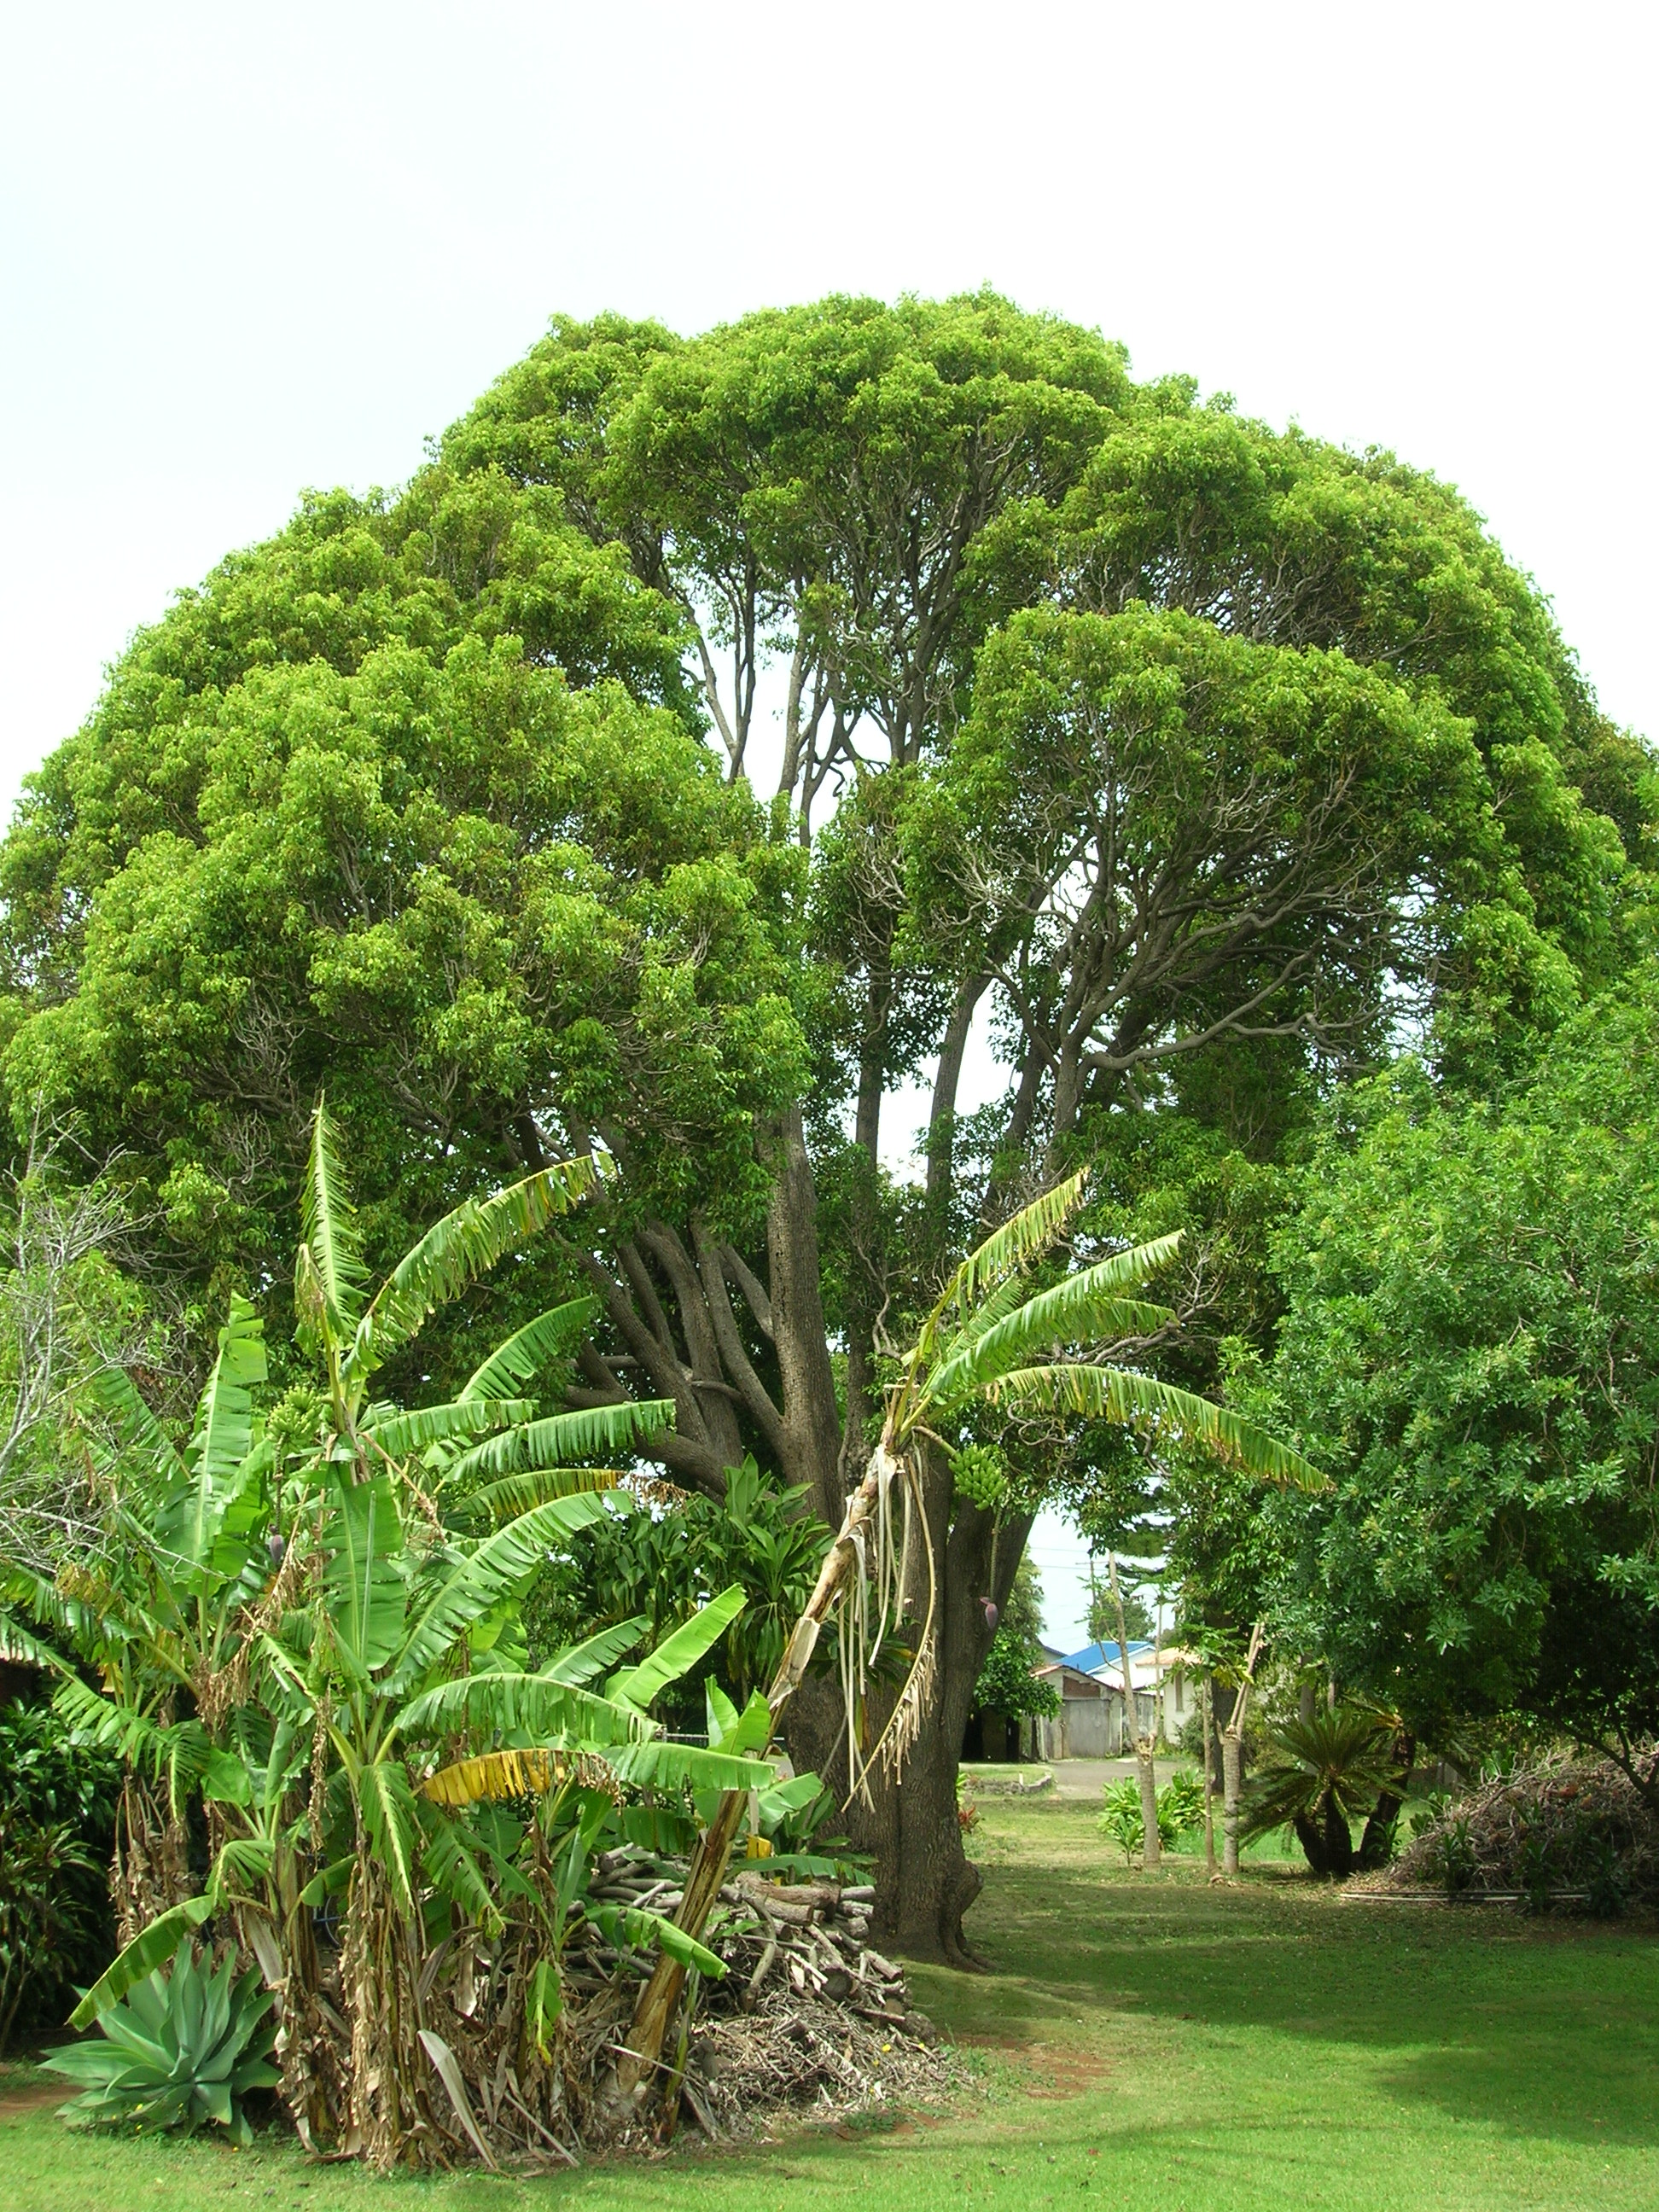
column 1174, row 758
column 1471, row 1347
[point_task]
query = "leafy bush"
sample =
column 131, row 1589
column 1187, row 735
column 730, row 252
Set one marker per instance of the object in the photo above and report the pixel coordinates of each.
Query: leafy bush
column 180, row 2048
column 1606, row 1886
column 1180, row 1809
column 1007, row 1684
column 1120, row 1816
column 56, row 1833
column 660, row 1566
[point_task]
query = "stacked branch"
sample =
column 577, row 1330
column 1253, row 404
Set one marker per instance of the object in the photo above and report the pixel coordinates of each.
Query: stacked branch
column 1579, row 1834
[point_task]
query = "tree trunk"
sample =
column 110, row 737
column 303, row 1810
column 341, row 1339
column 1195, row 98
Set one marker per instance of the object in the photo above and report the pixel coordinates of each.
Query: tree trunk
column 866, row 1272
column 923, row 1889
column 1375, row 1841
column 925, row 1881
column 1232, row 1776
column 1311, row 1836
column 1208, row 1709
column 1339, row 1840
column 1232, row 1756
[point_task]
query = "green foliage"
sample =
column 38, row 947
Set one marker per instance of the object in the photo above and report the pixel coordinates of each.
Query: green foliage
column 1471, row 1348
column 661, row 1565
column 1005, row 1682
column 57, row 1829
column 1320, row 1775
column 340, row 819
column 180, row 2048
column 1180, row 1810
column 1193, row 756
column 47, row 1922
column 1103, row 1616
column 359, row 1707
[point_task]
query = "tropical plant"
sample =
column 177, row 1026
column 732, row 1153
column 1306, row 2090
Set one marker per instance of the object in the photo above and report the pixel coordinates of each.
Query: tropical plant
column 1120, row 1816
column 1180, row 1810
column 56, row 1832
column 1318, row 1776
column 659, row 1566
column 1180, row 1806
column 46, row 1919
column 183, row 2046
column 317, row 1635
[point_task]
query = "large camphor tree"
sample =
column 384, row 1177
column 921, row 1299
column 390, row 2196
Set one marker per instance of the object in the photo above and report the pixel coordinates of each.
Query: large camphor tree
column 719, row 736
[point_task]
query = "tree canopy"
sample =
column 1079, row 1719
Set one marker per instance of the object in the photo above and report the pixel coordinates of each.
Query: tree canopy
column 1189, row 765
column 1469, row 1349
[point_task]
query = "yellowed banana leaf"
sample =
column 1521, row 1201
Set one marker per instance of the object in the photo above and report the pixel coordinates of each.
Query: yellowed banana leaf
column 524, row 1773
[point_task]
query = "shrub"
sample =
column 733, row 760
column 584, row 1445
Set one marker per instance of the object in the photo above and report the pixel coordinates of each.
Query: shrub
column 56, row 1833
column 1180, row 1809
column 180, row 2048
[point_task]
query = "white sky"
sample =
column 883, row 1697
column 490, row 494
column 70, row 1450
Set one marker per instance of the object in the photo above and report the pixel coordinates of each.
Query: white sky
column 247, row 249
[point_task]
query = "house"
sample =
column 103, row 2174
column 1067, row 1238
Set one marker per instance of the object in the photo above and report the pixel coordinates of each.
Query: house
column 1087, row 1725
column 1091, row 1724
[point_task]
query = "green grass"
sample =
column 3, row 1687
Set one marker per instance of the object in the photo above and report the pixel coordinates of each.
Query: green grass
column 1145, row 2043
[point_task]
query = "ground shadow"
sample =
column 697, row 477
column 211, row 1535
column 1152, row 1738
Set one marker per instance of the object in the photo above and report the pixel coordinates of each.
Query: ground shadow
column 1540, row 2028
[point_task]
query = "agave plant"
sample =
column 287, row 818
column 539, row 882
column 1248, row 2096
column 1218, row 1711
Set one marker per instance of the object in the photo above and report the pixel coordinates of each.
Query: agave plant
column 991, row 1341
column 182, row 2047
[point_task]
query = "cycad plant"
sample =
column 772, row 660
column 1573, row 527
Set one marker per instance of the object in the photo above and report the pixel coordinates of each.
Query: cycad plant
column 992, row 1343
column 1319, row 1776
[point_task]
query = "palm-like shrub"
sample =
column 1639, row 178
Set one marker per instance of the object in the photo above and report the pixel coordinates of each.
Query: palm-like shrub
column 182, row 2047
column 1319, row 1776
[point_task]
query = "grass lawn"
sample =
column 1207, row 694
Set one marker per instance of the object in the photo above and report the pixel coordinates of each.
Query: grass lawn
column 1147, row 2042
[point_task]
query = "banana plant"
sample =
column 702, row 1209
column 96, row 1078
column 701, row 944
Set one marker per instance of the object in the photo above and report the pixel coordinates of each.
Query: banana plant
column 336, row 1617
column 353, row 1330
column 162, row 1619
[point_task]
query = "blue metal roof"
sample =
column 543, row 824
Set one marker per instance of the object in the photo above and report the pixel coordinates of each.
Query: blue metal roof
column 1093, row 1656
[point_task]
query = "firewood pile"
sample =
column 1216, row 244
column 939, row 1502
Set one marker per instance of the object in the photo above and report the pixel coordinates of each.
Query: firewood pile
column 1584, row 1836
column 810, row 2021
